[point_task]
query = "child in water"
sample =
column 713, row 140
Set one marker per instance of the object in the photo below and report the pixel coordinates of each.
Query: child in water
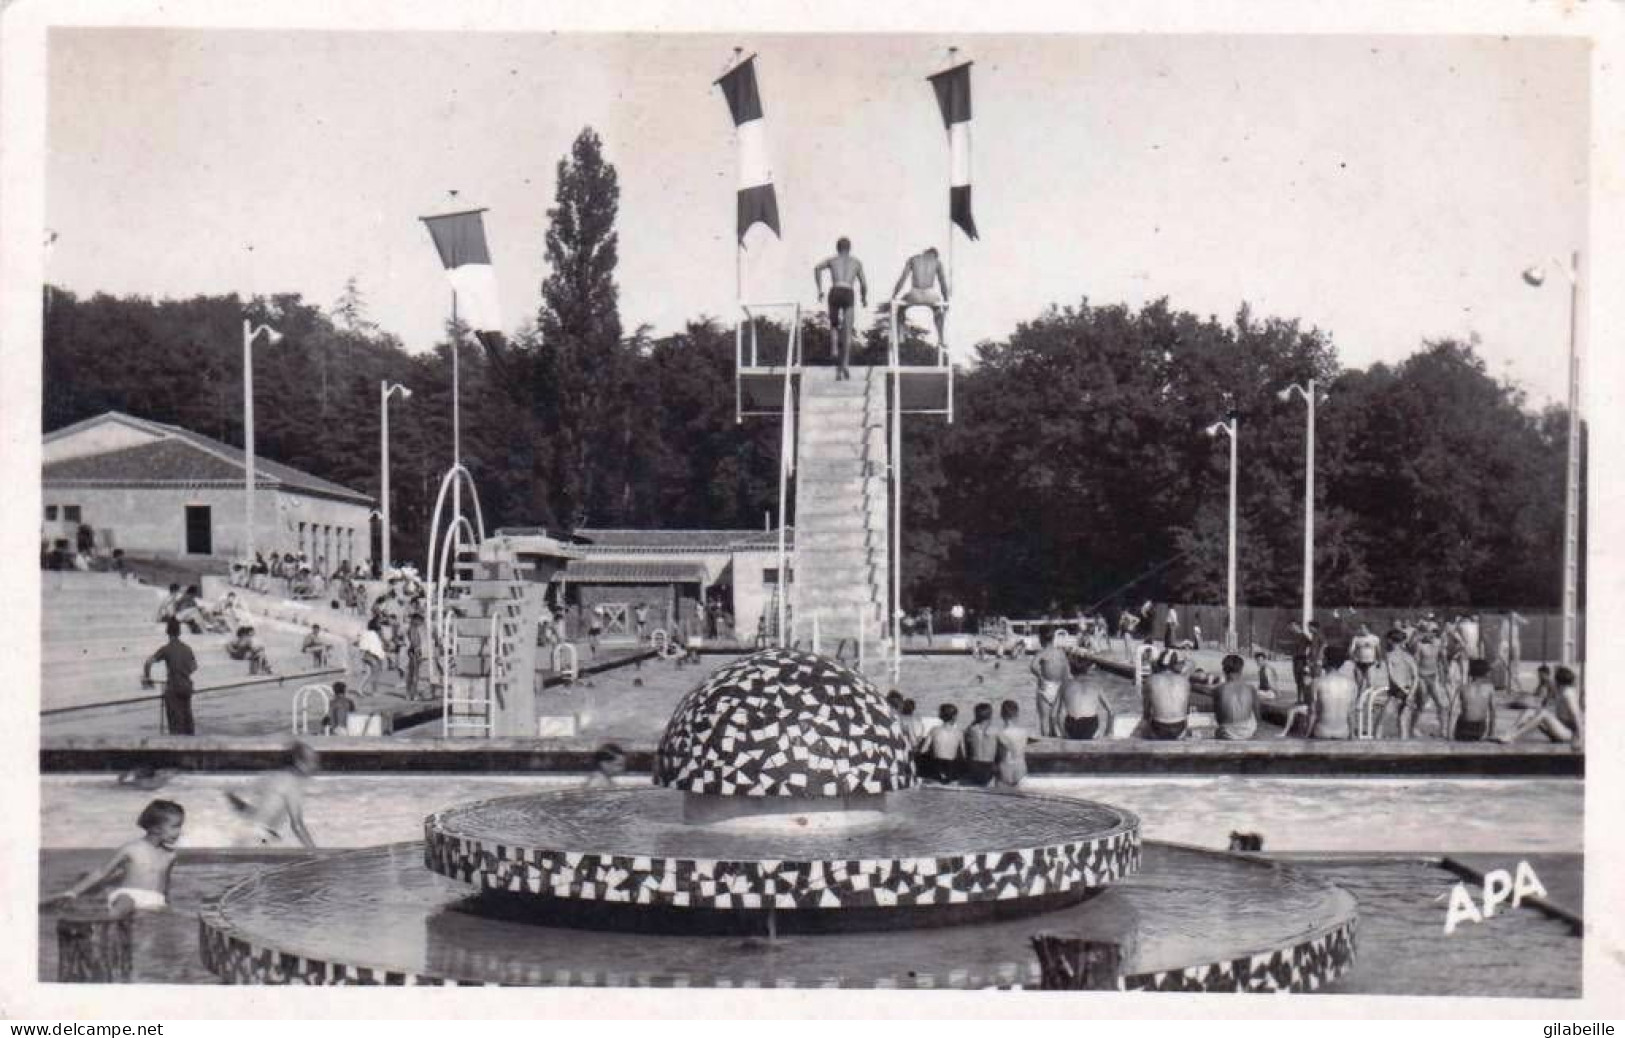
column 608, row 761
column 143, row 865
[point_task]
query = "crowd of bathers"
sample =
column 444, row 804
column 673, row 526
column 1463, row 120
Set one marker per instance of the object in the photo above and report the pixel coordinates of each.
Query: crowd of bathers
column 1422, row 666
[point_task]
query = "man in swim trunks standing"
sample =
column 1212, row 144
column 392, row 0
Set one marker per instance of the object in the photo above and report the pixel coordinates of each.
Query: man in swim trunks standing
column 927, row 273
column 1471, row 643
column 845, row 270
column 1476, row 722
column 1404, row 685
column 1050, row 669
column 1363, row 651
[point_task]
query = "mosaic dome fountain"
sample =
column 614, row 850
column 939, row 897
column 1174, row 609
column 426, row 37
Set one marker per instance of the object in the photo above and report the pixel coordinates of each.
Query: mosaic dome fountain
column 784, row 806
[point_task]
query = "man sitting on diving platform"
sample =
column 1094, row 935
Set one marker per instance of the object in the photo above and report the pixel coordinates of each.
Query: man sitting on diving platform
column 926, row 271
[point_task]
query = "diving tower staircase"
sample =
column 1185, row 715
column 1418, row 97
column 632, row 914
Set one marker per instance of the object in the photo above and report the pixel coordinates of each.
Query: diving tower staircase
column 840, row 457
column 483, row 619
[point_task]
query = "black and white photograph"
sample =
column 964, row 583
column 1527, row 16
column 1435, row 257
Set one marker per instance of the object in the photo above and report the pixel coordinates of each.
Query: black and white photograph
column 899, row 503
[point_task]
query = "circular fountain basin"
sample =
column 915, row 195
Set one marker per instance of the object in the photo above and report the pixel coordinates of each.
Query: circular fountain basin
column 1190, row 920
column 925, row 852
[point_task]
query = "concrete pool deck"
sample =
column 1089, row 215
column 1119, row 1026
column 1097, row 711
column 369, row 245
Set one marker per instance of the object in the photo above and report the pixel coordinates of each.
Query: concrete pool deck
column 1048, row 757
column 626, row 697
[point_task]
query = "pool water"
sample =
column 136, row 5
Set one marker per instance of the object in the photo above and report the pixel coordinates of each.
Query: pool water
column 1291, row 814
column 1402, row 948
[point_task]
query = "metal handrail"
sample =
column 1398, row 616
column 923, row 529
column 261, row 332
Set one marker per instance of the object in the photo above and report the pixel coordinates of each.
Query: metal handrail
column 300, row 725
column 787, row 447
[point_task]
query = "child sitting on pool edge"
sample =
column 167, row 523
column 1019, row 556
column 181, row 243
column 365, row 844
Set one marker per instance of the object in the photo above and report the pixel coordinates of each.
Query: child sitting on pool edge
column 143, row 865
column 940, row 762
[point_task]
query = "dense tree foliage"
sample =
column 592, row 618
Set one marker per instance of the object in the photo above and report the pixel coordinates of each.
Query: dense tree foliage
column 1077, row 471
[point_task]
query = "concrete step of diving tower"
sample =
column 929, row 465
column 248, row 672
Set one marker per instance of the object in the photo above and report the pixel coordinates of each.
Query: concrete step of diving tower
column 842, row 512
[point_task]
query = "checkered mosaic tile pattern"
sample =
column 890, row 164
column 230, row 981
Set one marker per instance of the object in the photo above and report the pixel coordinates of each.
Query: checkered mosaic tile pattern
column 238, row 961
column 1084, row 863
column 784, row 723
column 1305, row 966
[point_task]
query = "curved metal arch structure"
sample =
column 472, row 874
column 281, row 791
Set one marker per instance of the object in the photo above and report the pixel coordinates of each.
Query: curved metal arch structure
column 445, row 544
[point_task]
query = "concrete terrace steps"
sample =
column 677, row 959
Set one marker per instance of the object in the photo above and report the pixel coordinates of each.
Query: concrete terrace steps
column 65, row 632
column 281, row 650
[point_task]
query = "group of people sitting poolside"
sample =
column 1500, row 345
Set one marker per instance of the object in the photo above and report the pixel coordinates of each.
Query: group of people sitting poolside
column 985, row 752
column 296, row 576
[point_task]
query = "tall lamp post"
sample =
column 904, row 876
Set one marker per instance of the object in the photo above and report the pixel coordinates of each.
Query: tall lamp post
column 387, row 389
column 1536, row 276
column 1228, row 427
column 251, row 331
column 1307, row 391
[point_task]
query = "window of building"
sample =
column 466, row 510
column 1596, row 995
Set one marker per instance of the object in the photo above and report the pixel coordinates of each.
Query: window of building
column 50, row 513
column 70, row 513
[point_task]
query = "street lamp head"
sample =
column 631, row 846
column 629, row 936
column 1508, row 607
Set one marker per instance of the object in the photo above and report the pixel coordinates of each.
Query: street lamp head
column 406, row 394
column 1535, row 276
column 272, row 336
column 1215, row 429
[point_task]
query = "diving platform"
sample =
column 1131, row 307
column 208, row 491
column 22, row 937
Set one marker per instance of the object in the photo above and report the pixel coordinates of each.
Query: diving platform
column 769, row 361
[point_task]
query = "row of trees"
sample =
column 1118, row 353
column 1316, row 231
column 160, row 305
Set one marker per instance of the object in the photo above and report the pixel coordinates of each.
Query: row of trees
column 1076, row 471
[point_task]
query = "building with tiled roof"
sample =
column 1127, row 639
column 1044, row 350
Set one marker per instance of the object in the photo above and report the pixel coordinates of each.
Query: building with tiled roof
column 674, row 572
column 159, row 490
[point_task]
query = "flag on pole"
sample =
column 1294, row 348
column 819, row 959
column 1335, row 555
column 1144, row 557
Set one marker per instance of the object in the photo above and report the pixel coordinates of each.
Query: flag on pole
column 460, row 239
column 757, row 202
column 953, row 97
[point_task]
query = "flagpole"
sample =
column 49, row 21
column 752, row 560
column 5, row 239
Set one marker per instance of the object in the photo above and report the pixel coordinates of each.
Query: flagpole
column 739, row 240
column 953, row 271
column 456, row 418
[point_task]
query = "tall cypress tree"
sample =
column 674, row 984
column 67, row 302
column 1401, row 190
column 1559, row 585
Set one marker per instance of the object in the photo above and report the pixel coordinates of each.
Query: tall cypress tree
column 579, row 363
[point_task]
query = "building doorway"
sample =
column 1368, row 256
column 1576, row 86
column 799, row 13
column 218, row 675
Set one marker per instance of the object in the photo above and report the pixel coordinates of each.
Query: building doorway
column 199, row 530
column 615, row 620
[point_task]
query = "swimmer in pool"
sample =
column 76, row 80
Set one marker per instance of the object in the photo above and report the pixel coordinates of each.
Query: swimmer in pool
column 278, row 797
column 142, row 866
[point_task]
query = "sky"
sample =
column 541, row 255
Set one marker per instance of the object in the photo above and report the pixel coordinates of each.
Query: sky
column 1385, row 189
